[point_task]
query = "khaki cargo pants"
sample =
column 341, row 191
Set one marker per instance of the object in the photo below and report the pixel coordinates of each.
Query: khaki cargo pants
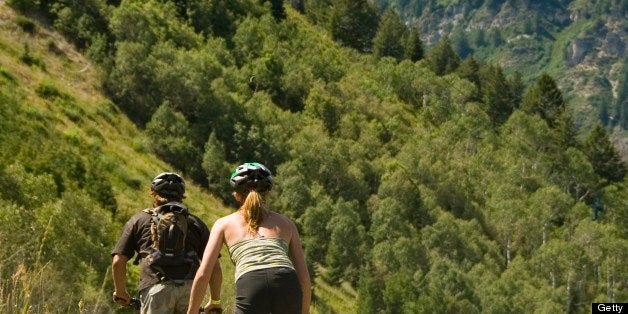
column 166, row 298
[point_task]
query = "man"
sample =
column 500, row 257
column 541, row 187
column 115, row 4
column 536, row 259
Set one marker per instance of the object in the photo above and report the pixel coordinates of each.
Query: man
column 163, row 289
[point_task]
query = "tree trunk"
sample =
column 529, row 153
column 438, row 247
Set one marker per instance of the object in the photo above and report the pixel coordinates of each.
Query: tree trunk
column 609, row 287
column 553, row 280
column 568, row 293
column 507, row 251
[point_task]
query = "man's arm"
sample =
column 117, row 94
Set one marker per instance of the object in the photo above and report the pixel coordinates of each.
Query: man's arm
column 118, row 272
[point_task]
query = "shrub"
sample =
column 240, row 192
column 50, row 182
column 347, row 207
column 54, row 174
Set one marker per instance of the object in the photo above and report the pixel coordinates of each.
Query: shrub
column 26, row 24
column 48, row 91
column 26, row 6
column 31, row 59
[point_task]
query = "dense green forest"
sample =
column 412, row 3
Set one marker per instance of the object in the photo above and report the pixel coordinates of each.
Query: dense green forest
column 422, row 181
column 581, row 43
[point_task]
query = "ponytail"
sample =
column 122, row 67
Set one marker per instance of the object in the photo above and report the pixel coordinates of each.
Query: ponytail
column 255, row 210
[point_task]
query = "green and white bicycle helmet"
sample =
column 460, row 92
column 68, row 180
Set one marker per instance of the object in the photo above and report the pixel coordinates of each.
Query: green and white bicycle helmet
column 168, row 184
column 251, row 176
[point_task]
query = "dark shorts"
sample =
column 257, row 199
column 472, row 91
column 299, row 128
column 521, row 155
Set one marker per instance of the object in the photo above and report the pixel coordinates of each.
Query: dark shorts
column 273, row 290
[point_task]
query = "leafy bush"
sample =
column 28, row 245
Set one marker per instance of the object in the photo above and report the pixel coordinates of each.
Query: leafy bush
column 48, row 90
column 26, row 24
column 28, row 58
column 169, row 131
column 26, row 6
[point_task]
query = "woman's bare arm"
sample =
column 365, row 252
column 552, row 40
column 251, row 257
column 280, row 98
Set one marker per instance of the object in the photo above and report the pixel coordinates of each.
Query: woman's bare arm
column 298, row 259
column 206, row 269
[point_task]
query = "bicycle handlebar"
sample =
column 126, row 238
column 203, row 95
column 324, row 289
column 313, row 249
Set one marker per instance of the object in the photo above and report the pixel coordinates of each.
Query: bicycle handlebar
column 133, row 303
column 136, row 304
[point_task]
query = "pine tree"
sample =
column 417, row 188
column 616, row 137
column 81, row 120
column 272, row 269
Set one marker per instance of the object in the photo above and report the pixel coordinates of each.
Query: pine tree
column 298, row 5
column 388, row 41
column 545, row 99
column 496, row 94
column 214, row 166
column 603, row 155
column 277, row 9
column 413, row 46
column 516, row 88
column 354, row 23
column 460, row 43
column 442, row 58
column 470, row 69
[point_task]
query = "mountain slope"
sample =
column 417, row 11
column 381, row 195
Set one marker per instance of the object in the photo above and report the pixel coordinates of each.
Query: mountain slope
column 582, row 44
column 419, row 184
column 74, row 168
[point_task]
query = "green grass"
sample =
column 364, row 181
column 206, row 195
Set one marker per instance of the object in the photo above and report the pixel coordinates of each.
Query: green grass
column 62, row 96
column 59, row 93
column 328, row 298
column 559, row 46
column 331, row 299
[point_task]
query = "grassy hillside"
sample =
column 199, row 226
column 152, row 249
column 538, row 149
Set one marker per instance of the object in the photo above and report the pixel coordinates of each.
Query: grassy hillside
column 55, row 98
column 50, row 80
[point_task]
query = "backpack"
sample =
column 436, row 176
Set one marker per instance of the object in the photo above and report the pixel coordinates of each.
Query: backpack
column 169, row 230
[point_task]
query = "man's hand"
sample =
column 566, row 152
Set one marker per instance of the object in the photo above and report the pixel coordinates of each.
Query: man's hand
column 212, row 308
column 122, row 298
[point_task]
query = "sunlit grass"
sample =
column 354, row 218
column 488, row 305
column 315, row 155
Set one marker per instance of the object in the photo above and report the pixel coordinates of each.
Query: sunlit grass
column 66, row 95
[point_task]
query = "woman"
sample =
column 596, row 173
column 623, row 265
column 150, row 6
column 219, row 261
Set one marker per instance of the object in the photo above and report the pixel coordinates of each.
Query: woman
column 271, row 275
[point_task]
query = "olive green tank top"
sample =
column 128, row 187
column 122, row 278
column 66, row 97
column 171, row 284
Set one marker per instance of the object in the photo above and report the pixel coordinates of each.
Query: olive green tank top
column 259, row 253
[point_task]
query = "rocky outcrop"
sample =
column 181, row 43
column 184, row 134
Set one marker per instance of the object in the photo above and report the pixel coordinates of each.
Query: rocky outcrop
column 577, row 50
column 607, row 40
column 615, row 45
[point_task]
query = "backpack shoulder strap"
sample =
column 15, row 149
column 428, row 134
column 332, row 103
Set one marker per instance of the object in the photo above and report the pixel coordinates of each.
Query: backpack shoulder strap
column 138, row 257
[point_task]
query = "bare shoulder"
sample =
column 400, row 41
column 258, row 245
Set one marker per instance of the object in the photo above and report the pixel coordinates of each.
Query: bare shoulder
column 282, row 218
column 223, row 221
column 288, row 227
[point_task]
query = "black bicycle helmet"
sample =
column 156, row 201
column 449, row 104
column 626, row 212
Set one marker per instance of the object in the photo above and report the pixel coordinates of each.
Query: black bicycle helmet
column 168, row 184
column 251, row 176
